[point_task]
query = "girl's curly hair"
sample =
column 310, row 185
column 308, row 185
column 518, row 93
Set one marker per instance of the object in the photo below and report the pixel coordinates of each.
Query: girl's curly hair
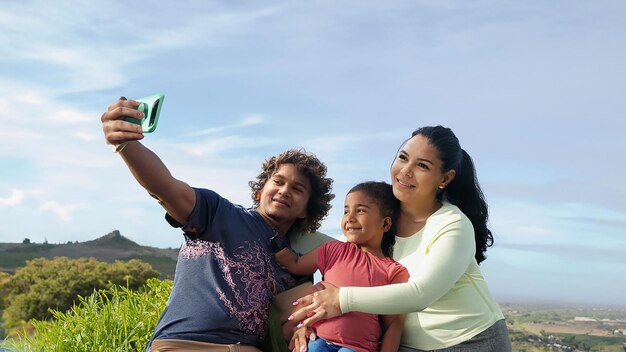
column 321, row 186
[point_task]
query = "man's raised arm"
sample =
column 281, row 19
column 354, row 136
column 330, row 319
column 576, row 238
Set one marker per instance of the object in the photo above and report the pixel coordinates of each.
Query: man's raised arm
column 176, row 196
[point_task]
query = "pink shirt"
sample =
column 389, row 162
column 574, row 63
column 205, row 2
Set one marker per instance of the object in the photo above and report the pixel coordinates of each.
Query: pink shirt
column 344, row 264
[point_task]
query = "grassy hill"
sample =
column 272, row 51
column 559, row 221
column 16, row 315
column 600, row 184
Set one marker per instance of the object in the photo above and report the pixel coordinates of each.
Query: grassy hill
column 108, row 248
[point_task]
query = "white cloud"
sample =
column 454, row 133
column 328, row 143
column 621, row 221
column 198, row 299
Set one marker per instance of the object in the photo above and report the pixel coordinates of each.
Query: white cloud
column 68, row 115
column 246, row 121
column 86, row 136
column 207, row 29
column 85, row 64
column 14, row 199
column 253, row 119
column 63, row 212
column 30, row 97
column 215, row 146
column 336, row 142
column 134, row 215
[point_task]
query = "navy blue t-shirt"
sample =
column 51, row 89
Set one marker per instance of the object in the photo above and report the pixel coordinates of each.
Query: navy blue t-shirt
column 226, row 276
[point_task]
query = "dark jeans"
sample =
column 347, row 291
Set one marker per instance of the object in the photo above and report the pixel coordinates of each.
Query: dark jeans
column 494, row 339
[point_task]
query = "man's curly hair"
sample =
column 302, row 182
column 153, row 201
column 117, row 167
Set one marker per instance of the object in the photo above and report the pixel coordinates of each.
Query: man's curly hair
column 321, row 186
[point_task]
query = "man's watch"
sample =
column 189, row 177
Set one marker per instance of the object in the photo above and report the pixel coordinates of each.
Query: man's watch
column 278, row 242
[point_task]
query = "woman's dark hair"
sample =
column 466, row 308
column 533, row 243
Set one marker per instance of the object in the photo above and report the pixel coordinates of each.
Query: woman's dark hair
column 321, row 186
column 382, row 194
column 464, row 190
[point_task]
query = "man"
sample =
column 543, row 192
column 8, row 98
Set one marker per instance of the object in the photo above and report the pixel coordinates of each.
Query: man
column 226, row 275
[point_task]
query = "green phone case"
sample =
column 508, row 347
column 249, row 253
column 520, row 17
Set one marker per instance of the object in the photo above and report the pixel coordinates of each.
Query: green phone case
column 151, row 108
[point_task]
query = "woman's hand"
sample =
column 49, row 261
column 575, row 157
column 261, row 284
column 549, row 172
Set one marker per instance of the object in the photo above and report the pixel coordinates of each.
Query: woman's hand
column 117, row 131
column 323, row 304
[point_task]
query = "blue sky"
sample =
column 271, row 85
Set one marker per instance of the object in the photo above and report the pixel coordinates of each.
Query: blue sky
column 534, row 90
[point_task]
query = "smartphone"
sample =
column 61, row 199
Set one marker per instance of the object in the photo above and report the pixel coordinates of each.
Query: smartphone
column 151, row 108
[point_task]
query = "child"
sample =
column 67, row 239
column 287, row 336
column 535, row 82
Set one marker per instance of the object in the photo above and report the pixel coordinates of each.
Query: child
column 364, row 260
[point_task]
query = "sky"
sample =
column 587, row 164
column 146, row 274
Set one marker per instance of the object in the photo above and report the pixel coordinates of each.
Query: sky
column 535, row 91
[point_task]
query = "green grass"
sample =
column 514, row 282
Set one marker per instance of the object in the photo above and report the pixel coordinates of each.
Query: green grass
column 114, row 319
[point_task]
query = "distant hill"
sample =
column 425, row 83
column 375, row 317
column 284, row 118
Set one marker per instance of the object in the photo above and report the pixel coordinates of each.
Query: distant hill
column 108, row 248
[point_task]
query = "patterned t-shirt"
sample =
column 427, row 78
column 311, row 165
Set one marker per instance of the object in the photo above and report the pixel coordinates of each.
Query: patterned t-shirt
column 226, row 276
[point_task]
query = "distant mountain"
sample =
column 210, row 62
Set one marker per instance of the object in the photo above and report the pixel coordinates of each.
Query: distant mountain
column 113, row 240
column 108, row 248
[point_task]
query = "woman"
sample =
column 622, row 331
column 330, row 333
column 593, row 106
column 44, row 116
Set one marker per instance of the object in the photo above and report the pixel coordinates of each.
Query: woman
column 442, row 237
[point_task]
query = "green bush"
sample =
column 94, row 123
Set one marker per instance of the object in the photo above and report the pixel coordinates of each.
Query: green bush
column 45, row 284
column 113, row 319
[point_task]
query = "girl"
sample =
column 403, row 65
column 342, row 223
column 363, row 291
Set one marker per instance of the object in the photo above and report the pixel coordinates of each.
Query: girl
column 364, row 260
